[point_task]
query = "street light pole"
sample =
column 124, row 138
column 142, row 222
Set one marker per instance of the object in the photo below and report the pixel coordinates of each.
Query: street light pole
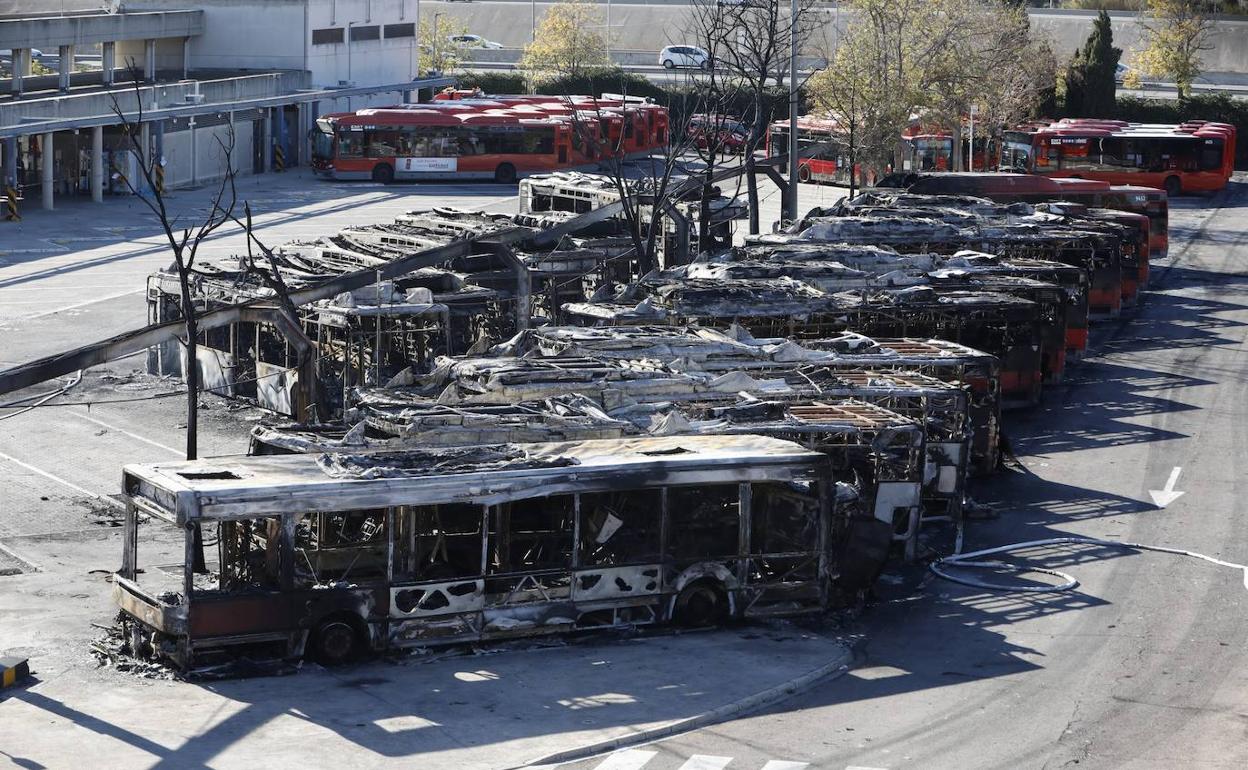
column 436, row 60
column 349, row 79
column 791, row 206
column 533, row 13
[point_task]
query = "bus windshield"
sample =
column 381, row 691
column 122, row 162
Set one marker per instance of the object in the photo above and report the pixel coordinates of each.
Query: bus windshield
column 322, row 138
column 1016, row 156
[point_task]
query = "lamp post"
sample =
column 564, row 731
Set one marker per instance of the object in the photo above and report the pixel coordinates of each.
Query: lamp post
column 792, row 197
column 434, row 57
column 349, row 80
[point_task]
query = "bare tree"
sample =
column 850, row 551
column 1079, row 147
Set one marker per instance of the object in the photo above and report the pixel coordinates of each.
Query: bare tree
column 184, row 240
column 750, row 44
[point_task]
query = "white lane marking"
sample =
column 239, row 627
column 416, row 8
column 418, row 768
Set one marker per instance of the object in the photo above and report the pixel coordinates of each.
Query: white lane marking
column 82, row 304
column 631, row 759
column 60, row 480
column 125, row 432
column 705, row 762
column 784, row 764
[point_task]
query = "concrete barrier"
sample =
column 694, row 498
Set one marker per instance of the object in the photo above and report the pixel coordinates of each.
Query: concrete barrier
column 13, row 671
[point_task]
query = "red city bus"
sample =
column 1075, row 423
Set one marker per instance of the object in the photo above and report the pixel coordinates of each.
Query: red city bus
column 933, row 151
column 500, row 138
column 1189, row 157
column 830, row 164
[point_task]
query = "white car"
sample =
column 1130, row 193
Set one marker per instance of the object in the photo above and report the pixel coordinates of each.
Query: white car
column 472, row 41
column 675, row 56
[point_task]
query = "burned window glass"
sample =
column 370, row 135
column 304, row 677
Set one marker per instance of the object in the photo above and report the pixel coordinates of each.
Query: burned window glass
column 783, row 519
column 438, row 542
column 703, row 521
column 250, row 552
column 620, row 527
column 534, row 534
column 341, row 546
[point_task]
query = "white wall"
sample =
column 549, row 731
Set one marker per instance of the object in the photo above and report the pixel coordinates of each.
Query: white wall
column 370, row 62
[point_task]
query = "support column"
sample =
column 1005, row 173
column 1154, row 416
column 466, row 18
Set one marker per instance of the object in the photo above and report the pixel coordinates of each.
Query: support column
column 21, row 69
column 108, row 62
column 66, row 67
column 10, row 162
column 283, row 136
column 158, row 153
column 48, row 160
column 97, row 164
column 192, row 133
column 145, row 151
column 149, row 60
column 186, row 57
column 267, row 140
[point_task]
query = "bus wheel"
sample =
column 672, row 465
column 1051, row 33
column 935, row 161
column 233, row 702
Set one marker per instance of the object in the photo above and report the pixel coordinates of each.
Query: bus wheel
column 701, row 603
column 335, row 640
column 803, row 173
column 1173, row 187
column 384, row 173
column 505, row 173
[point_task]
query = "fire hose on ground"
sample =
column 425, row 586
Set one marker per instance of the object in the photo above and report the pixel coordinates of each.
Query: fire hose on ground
column 972, row 560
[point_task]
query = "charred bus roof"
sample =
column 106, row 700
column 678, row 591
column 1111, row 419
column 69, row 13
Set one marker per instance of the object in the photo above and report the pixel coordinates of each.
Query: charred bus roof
column 231, row 488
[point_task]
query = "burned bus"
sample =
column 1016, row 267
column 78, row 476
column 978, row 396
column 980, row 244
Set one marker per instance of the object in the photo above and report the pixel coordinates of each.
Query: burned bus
column 339, row 554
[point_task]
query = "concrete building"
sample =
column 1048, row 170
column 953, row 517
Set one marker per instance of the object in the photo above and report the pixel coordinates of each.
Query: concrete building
column 194, row 75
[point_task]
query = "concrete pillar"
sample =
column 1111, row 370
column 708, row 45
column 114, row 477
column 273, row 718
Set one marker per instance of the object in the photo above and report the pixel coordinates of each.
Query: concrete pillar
column 149, row 60
column 21, row 69
column 158, row 152
column 97, row 164
column 145, row 152
column 283, row 137
column 48, row 159
column 190, row 127
column 108, row 62
column 186, row 56
column 10, row 162
column 267, row 150
column 66, row 67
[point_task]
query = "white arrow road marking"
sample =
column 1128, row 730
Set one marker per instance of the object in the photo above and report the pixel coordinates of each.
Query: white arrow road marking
column 1163, row 497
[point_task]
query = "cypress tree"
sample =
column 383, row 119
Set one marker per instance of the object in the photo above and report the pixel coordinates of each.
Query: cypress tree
column 1100, row 63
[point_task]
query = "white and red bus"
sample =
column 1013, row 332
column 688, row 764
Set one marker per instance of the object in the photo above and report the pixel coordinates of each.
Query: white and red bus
column 1189, row 157
column 830, row 164
column 493, row 137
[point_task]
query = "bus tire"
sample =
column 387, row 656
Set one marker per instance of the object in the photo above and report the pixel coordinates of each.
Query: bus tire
column 384, row 173
column 505, row 173
column 803, row 173
column 1173, row 187
column 336, row 640
column 700, row 604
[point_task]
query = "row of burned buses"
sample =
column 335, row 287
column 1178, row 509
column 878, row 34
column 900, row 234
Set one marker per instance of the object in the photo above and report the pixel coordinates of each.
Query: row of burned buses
column 522, row 441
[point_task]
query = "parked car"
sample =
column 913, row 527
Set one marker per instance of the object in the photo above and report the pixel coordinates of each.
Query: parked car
column 684, row 56
column 35, row 54
column 472, row 41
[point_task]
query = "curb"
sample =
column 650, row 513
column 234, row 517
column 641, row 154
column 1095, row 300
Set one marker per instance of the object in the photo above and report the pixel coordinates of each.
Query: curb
column 13, row 671
column 768, row 697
